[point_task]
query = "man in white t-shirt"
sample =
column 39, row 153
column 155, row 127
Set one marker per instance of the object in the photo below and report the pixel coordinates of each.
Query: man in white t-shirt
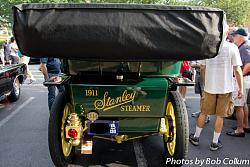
column 219, row 85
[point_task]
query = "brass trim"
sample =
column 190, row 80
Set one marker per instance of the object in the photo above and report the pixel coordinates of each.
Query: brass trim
column 121, row 138
column 74, row 122
column 66, row 146
column 163, row 127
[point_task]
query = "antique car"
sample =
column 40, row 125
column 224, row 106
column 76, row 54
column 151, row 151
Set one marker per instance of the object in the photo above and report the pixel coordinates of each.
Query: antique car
column 11, row 78
column 121, row 66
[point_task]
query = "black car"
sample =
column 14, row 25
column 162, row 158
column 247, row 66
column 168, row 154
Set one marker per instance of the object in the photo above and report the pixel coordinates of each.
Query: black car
column 11, row 78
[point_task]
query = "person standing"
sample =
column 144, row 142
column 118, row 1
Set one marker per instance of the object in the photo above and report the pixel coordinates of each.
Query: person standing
column 230, row 37
column 199, row 86
column 14, row 51
column 185, row 72
column 240, row 38
column 2, row 55
column 6, row 48
column 25, row 59
column 218, row 95
column 51, row 69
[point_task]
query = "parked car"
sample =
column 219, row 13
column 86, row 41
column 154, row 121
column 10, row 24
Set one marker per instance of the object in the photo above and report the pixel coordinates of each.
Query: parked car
column 11, row 78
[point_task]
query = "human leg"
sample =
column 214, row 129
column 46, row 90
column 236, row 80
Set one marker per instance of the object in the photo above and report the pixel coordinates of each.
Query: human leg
column 60, row 88
column 197, row 89
column 194, row 138
column 239, row 119
column 32, row 79
column 9, row 59
column 218, row 125
column 2, row 57
column 28, row 70
column 246, row 109
column 208, row 106
column 183, row 90
column 30, row 75
column 221, row 103
column 246, row 115
column 51, row 96
column 239, row 131
column 201, row 120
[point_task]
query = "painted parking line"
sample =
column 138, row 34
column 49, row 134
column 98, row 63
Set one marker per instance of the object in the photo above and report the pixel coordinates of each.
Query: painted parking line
column 33, row 85
column 140, row 158
column 192, row 97
column 12, row 114
column 1, row 106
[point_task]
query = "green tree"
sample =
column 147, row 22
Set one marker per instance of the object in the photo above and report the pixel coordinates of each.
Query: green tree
column 237, row 11
column 6, row 5
column 6, row 8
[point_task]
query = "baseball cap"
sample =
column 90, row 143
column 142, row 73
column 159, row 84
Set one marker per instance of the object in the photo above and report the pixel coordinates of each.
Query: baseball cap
column 240, row 31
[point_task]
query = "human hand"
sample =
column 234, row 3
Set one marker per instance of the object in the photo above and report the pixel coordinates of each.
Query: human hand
column 240, row 94
column 55, row 79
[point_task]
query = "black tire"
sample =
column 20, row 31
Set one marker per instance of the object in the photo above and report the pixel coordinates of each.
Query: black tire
column 15, row 92
column 54, row 132
column 182, row 128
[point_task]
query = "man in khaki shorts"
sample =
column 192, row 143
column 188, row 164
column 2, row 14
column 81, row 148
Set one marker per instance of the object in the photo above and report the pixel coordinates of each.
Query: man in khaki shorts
column 218, row 76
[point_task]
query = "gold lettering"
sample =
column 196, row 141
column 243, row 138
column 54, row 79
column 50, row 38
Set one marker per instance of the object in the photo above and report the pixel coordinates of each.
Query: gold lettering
column 118, row 99
column 129, row 108
column 91, row 92
column 108, row 102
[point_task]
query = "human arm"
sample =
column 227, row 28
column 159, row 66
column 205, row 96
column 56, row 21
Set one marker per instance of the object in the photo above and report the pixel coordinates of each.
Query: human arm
column 245, row 55
column 44, row 70
column 194, row 73
column 239, row 79
column 246, row 69
column 202, row 77
column 202, row 72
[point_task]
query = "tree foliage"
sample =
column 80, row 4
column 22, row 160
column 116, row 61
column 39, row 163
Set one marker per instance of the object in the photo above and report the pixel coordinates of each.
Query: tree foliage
column 237, row 11
column 6, row 5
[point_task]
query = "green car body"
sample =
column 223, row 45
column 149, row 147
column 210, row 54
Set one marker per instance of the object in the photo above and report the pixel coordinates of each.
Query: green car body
column 137, row 103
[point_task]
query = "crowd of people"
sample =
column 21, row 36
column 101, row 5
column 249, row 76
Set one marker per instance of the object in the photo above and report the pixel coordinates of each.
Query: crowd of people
column 10, row 54
column 223, row 83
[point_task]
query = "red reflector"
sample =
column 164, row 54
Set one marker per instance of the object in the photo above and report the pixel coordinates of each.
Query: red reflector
column 72, row 133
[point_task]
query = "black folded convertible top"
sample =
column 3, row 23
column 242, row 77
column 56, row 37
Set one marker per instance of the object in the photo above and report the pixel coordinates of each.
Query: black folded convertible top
column 118, row 32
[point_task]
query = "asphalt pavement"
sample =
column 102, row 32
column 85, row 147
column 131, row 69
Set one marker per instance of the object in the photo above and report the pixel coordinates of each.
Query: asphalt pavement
column 24, row 140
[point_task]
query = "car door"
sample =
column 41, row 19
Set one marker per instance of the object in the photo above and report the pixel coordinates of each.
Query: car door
column 2, row 83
